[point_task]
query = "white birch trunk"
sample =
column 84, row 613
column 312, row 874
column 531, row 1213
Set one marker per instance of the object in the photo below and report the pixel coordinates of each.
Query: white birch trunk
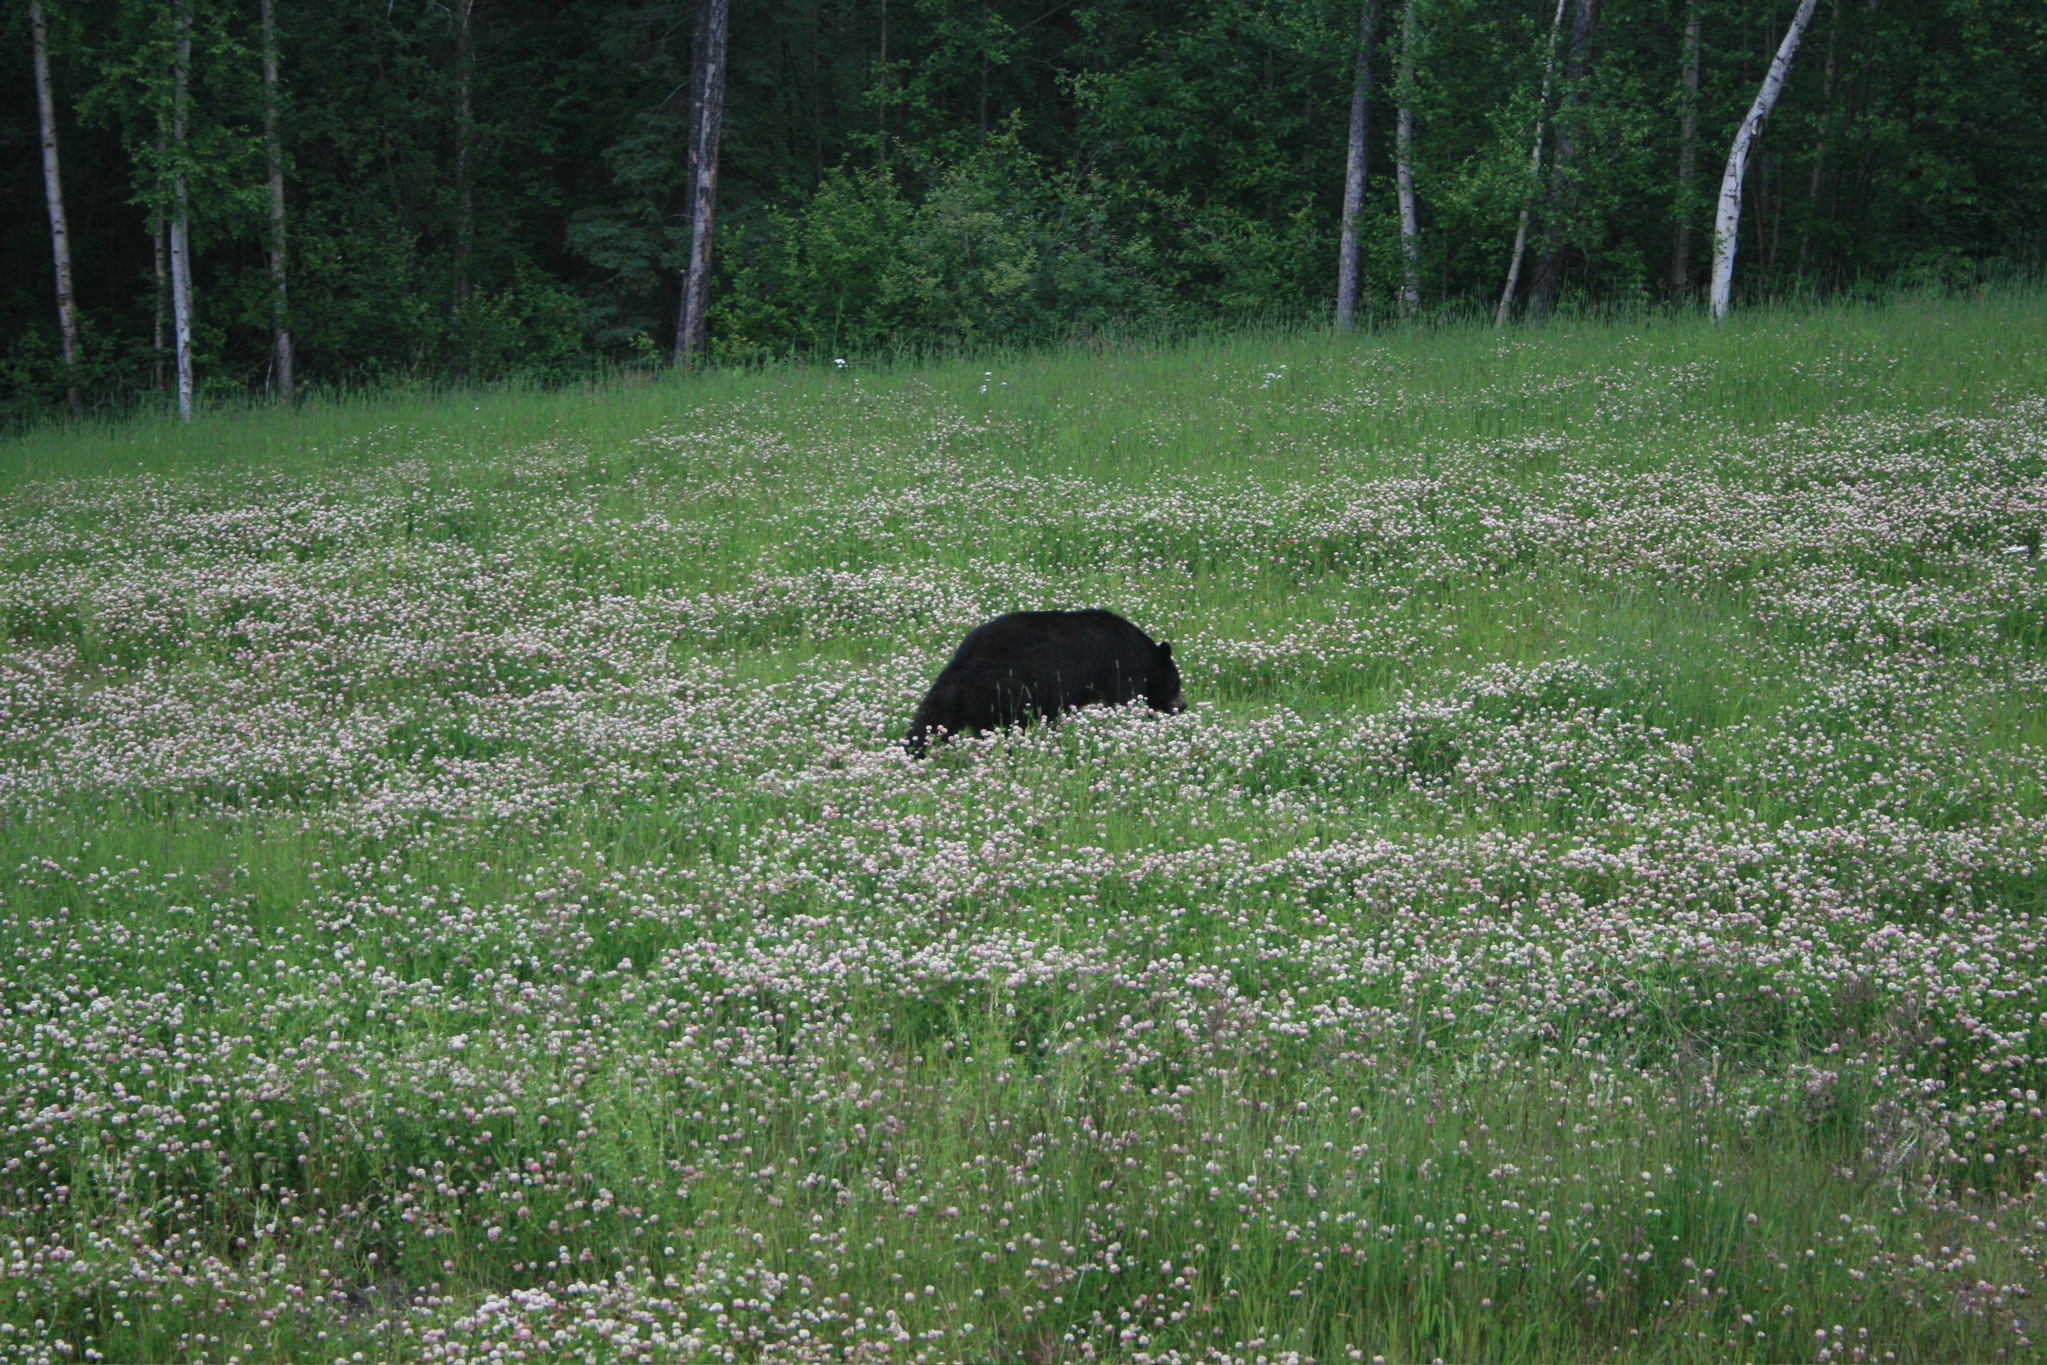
column 181, row 301
column 53, row 191
column 707, row 115
column 280, row 315
column 1549, row 64
column 1727, row 221
column 181, row 212
column 1355, row 165
column 1410, row 230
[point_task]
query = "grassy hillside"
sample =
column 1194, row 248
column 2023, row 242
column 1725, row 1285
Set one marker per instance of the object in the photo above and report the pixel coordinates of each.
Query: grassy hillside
column 467, row 904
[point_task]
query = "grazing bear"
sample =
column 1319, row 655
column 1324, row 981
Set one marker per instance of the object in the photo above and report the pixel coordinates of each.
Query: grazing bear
column 1038, row 663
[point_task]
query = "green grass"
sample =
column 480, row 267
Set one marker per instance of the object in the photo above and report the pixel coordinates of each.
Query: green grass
column 1593, row 911
column 1127, row 413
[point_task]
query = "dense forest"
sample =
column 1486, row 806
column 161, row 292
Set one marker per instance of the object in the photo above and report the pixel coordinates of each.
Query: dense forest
column 471, row 189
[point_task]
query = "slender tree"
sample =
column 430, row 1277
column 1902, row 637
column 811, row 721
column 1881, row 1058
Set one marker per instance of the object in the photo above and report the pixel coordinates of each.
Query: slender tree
column 706, row 118
column 280, row 315
column 1727, row 221
column 53, row 191
column 465, row 204
column 1819, row 151
column 162, row 296
column 181, row 207
column 1549, row 62
column 1549, row 268
column 881, row 100
column 987, row 61
column 1687, row 157
column 1356, row 162
column 817, row 92
column 1410, row 230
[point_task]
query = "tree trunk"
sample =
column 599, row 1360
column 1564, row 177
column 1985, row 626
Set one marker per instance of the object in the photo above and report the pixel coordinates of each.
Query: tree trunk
column 1549, row 270
column 984, row 70
column 1549, row 62
column 1410, row 231
column 280, row 315
column 1773, row 183
column 53, row 191
column 465, row 217
column 817, row 91
column 1819, row 151
column 1687, row 158
column 181, row 210
column 706, row 119
column 1355, row 165
column 880, row 104
column 1727, row 220
column 163, row 289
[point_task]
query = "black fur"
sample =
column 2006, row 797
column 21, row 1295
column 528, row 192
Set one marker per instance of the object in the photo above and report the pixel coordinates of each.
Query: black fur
column 1032, row 664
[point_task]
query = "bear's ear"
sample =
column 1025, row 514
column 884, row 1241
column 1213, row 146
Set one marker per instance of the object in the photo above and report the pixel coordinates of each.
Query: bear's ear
column 1165, row 649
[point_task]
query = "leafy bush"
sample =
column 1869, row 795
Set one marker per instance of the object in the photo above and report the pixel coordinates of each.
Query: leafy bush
column 1000, row 248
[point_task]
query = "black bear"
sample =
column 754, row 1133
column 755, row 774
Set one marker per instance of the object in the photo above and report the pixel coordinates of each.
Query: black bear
column 1028, row 664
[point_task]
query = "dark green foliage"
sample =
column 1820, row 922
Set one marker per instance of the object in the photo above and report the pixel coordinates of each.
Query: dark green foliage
column 1000, row 248
column 1007, row 172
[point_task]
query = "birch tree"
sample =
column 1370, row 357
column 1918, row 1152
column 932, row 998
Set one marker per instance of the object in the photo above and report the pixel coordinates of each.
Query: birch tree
column 53, row 191
column 181, row 207
column 280, row 315
column 1687, row 156
column 1410, row 230
column 1356, row 162
column 1549, row 62
column 706, row 117
column 1727, row 220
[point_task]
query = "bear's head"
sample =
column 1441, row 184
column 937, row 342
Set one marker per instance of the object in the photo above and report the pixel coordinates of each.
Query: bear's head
column 1162, row 688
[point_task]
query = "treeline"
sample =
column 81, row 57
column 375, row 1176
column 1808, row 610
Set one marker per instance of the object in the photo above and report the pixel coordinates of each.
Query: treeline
column 478, row 188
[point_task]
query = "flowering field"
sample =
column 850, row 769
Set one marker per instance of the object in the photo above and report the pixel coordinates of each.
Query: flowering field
column 466, row 906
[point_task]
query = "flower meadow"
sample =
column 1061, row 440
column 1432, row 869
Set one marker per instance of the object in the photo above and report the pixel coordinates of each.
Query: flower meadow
column 467, row 902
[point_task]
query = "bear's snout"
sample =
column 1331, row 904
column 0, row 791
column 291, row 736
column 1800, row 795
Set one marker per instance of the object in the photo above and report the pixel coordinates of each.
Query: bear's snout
column 1176, row 705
